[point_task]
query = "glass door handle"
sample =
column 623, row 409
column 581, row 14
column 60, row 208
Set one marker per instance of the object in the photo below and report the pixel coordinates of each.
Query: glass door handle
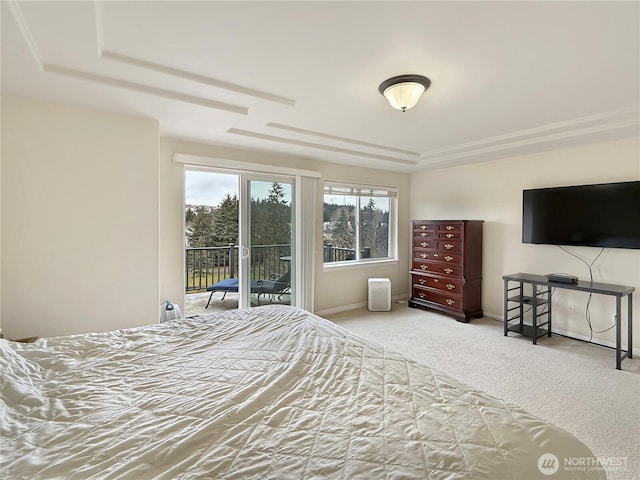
column 245, row 252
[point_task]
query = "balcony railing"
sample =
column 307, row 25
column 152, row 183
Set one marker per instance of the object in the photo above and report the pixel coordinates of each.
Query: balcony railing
column 339, row 254
column 208, row 265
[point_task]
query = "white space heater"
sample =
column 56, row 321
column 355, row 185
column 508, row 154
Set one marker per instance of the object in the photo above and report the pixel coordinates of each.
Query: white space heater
column 379, row 295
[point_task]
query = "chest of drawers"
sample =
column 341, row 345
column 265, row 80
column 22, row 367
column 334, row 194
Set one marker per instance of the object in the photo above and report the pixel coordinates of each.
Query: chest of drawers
column 446, row 269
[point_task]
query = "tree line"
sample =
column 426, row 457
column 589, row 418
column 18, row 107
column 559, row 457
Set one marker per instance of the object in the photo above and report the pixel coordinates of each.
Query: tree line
column 218, row 226
column 374, row 228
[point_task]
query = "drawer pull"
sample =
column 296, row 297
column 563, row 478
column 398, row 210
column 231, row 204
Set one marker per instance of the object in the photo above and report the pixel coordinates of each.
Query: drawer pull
column 450, row 286
column 421, row 295
column 423, row 227
column 435, row 280
column 448, row 258
column 447, row 270
column 448, row 246
column 424, row 234
column 423, row 255
column 423, row 244
column 449, row 301
column 449, row 235
column 449, row 227
column 422, row 281
column 435, row 255
column 424, row 267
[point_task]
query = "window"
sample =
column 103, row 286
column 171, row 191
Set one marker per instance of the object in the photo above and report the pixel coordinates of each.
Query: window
column 359, row 223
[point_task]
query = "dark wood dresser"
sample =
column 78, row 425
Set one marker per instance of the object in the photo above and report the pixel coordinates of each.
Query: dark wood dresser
column 446, row 271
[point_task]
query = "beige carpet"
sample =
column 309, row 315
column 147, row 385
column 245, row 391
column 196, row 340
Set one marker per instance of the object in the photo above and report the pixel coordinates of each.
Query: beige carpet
column 569, row 383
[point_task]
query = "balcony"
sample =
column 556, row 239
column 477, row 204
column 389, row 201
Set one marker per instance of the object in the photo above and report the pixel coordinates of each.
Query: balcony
column 208, row 265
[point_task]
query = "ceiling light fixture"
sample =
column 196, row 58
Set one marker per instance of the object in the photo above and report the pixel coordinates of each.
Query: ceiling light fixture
column 404, row 91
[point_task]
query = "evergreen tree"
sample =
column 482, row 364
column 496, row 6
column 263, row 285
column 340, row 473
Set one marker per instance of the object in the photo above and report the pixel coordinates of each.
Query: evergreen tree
column 203, row 233
column 343, row 228
column 189, row 216
column 271, row 218
column 368, row 225
column 225, row 227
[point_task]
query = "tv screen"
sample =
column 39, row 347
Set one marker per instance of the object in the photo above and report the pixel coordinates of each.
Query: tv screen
column 603, row 215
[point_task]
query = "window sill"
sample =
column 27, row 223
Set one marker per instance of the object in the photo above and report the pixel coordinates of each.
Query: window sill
column 334, row 266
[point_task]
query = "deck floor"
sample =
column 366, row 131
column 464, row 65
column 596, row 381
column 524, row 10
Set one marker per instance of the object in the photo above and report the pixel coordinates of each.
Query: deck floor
column 194, row 303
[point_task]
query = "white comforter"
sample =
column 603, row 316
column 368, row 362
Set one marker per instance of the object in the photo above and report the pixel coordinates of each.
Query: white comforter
column 263, row 393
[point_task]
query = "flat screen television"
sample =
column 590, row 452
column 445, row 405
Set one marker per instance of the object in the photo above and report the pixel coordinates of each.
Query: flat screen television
column 602, row 215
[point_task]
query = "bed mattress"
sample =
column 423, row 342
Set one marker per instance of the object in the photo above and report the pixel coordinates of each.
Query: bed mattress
column 264, row 393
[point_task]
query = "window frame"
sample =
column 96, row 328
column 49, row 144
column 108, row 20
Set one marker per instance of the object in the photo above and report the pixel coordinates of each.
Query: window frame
column 365, row 191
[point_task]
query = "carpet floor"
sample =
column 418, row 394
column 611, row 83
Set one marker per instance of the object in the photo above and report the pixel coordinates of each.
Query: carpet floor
column 569, row 383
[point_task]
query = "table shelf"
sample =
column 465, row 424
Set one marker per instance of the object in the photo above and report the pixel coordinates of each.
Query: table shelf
column 532, row 293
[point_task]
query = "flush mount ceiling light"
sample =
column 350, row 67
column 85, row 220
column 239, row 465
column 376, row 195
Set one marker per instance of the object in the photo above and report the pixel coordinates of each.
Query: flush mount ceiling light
column 404, row 91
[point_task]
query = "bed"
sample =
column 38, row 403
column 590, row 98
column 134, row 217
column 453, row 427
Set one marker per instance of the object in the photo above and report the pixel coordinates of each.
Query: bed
column 272, row 392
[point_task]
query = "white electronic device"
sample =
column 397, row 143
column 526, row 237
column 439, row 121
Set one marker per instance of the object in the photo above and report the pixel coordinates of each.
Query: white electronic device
column 169, row 311
column 379, row 295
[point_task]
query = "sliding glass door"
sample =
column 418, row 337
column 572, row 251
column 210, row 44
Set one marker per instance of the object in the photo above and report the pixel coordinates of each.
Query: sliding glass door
column 267, row 236
column 239, row 240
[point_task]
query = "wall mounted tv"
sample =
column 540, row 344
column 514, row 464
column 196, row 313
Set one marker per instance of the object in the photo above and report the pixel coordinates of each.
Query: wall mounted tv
column 602, row 215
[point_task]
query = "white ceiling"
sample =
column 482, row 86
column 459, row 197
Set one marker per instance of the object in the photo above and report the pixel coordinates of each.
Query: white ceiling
column 302, row 78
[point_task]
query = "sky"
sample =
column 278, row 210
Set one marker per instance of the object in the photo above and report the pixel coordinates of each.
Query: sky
column 210, row 188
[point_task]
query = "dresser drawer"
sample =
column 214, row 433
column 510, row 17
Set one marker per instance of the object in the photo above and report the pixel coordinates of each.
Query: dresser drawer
column 447, row 300
column 419, row 227
column 448, row 246
column 438, row 268
column 424, row 243
column 421, row 264
column 450, row 235
column 420, row 254
column 451, row 227
column 440, row 283
column 445, row 257
column 418, row 234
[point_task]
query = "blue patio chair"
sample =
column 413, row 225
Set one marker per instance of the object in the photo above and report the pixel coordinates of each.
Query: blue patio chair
column 261, row 287
column 226, row 285
column 272, row 287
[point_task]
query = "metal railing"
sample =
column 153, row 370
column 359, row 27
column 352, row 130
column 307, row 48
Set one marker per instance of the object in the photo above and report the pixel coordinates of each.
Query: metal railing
column 208, row 265
column 339, row 254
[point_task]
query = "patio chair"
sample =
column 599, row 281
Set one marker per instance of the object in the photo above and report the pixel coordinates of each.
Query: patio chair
column 261, row 287
column 272, row 287
column 226, row 285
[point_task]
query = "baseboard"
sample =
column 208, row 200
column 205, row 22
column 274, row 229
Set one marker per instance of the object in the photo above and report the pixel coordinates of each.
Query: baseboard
column 355, row 306
column 585, row 338
column 636, row 352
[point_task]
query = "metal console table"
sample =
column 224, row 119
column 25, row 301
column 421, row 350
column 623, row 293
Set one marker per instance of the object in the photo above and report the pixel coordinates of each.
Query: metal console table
column 540, row 296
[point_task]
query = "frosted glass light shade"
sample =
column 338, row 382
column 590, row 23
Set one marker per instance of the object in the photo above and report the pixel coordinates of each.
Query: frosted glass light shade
column 404, row 91
column 404, row 96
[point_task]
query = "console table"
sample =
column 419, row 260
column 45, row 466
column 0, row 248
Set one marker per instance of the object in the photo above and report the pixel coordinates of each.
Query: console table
column 540, row 301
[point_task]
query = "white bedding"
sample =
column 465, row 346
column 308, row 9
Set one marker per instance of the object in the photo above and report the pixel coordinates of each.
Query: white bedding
column 264, row 393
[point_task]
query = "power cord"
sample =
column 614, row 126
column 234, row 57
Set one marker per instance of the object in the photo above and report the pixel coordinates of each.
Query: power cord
column 587, row 313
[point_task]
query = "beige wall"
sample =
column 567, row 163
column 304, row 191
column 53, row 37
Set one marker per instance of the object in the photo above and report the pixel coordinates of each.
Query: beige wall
column 91, row 221
column 80, row 220
column 492, row 192
column 333, row 289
